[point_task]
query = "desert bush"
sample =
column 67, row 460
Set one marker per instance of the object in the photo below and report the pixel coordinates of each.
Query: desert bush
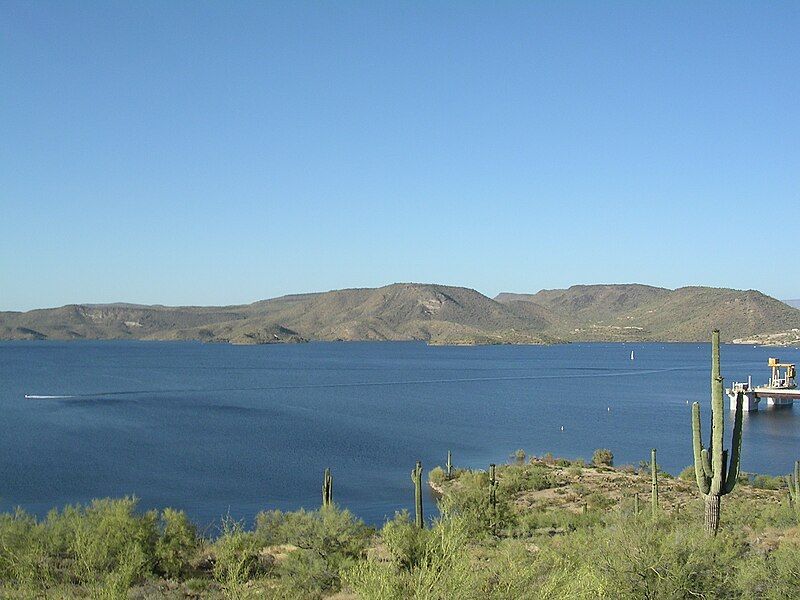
column 327, row 541
column 176, row 545
column 235, row 557
column 470, row 501
column 768, row 482
column 437, row 476
column 513, row 479
column 404, row 541
column 603, row 457
column 445, row 570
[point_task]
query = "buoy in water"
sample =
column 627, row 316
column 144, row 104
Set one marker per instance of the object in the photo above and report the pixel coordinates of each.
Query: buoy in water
column 562, row 428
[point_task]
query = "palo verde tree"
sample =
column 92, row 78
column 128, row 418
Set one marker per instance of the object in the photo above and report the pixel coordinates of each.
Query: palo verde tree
column 715, row 476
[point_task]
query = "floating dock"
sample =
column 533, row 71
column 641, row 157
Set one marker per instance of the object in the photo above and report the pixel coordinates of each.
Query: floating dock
column 781, row 390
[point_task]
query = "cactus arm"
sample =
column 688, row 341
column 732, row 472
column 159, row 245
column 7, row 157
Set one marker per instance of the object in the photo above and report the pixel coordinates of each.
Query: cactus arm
column 697, row 444
column 706, row 463
column 736, row 446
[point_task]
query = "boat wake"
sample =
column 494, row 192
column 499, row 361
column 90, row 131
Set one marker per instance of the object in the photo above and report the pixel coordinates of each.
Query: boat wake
column 36, row 397
column 612, row 374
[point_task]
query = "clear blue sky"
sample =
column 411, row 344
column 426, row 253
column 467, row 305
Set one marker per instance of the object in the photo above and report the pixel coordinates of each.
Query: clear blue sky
column 216, row 152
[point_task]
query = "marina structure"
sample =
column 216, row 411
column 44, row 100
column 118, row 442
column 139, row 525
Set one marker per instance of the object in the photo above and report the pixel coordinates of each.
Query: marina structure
column 781, row 390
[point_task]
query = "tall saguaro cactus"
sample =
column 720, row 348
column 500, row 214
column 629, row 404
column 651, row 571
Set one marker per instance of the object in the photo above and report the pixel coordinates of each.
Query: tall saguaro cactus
column 416, row 478
column 327, row 489
column 449, row 464
column 794, row 488
column 653, row 482
column 493, row 494
column 716, row 477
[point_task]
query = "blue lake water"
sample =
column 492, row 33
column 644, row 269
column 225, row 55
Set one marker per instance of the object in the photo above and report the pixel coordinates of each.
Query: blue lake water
column 218, row 429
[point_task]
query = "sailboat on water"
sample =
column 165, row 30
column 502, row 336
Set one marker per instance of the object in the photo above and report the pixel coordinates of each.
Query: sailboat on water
column 632, row 357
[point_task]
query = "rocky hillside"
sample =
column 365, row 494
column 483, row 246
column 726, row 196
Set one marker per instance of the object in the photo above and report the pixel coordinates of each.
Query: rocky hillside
column 637, row 312
column 436, row 314
column 433, row 313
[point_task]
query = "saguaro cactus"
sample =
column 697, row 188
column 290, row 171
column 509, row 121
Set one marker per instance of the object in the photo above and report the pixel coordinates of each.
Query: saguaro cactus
column 327, row 489
column 636, row 504
column 715, row 476
column 493, row 494
column 449, row 465
column 653, row 482
column 416, row 478
column 794, row 488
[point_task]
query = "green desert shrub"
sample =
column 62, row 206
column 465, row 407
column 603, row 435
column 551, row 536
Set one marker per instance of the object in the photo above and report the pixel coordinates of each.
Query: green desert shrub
column 176, row 545
column 517, row 478
column 327, row 541
column 445, row 570
column 106, row 539
column 603, row 457
column 404, row 541
column 768, row 482
column 574, row 471
column 235, row 557
column 470, row 501
column 437, row 476
column 24, row 551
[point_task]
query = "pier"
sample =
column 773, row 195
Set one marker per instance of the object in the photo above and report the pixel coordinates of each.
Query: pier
column 781, row 390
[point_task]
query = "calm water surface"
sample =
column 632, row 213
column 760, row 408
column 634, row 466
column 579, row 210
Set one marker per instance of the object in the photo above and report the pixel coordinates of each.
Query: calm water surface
column 217, row 429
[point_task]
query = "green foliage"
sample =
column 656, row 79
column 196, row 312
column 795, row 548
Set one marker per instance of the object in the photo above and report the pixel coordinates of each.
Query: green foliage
column 437, row 476
column 471, row 501
column 444, row 571
column 767, row 482
column 104, row 547
column 177, row 544
column 603, row 457
column 236, row 557
column 519, row 456
column 404, row 541
column 574, row 471
column 687, row 474
column 326, row 541
column 515, row 478
column 528, row 547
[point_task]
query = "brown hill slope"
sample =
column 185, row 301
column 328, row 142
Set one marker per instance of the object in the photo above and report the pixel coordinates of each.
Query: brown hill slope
column 637, row 312
column 434, row 313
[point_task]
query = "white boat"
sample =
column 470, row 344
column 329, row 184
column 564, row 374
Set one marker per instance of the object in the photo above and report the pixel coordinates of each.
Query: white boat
column 632, row 355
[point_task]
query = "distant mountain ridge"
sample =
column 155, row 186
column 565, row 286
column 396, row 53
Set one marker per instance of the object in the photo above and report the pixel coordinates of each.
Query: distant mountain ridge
column 630, row 312
column 433, row 313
